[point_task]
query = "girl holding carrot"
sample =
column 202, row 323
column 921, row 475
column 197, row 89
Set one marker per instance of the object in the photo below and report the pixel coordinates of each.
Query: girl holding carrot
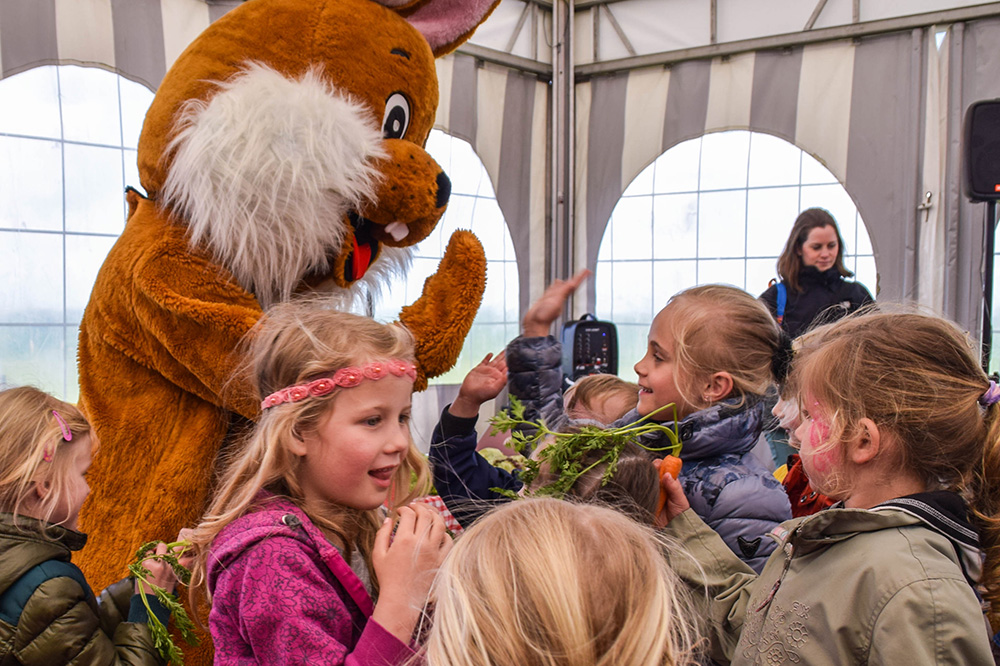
column 712, row 352
column 48, row 613
column 901, row 426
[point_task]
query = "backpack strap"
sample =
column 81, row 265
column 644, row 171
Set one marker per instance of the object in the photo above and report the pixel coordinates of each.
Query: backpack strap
column 14, row 599
column 782, row 301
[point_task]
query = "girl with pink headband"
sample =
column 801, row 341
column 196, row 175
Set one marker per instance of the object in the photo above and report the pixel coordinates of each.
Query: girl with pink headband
column 295, row 545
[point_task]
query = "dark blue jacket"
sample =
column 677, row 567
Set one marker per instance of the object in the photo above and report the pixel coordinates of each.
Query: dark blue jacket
column 462, row 477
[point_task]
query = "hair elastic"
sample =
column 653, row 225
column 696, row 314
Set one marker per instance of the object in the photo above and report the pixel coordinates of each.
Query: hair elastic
column 991, row 396
column 345, row 378
column 781, row 358
column 67, row 435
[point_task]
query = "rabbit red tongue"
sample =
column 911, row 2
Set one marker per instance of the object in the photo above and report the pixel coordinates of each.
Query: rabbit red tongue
column 361, row 257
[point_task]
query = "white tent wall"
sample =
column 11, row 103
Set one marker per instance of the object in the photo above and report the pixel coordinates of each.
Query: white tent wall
column 860, row 106
column 503, row 114
column 884, row 112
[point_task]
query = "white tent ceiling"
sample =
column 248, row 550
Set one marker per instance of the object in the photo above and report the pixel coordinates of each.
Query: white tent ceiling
column 620, row 30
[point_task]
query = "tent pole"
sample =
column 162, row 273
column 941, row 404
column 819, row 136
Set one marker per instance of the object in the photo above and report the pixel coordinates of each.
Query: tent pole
column 562, row 144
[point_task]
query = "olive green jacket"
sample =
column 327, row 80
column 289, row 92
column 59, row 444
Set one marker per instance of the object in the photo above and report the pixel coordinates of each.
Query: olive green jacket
column 59, row 621
column 844, row 587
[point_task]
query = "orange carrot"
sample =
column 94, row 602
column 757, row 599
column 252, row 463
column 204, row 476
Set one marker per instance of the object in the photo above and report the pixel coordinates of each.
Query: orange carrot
column 669, row 465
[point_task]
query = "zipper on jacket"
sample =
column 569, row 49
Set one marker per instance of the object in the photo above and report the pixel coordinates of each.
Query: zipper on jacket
column 788, row 549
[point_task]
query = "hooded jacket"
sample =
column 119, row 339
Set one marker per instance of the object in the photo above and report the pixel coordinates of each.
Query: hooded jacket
column 825, row 297
column 726, row 484
column 889, row 585
column 48, row 614
column 283, row 594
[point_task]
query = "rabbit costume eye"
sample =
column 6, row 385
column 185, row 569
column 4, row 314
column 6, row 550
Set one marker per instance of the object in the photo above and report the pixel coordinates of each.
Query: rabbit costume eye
column 397, row 116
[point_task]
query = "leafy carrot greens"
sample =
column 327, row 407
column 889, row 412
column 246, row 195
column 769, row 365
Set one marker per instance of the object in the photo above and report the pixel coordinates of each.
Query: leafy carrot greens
column 564, row 453
column 161, row 637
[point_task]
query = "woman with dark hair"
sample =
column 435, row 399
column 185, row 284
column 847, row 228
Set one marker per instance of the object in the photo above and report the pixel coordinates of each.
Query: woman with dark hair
column 811, row 267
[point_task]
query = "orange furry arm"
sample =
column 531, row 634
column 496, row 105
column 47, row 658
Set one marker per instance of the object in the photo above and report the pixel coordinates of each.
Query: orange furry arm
column 440, row 319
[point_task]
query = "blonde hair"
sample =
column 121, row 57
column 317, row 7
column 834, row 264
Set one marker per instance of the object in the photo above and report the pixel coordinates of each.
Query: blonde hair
column 917, row 377
column 292, row 344
column 592, row 393
column 28, row 431
column 595, row 591
column 719, row 328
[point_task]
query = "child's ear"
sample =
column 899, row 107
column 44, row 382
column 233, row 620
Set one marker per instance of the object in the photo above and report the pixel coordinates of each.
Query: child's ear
column 41, row 489
column 718, row 387
column 297, row 443
column 866, row 447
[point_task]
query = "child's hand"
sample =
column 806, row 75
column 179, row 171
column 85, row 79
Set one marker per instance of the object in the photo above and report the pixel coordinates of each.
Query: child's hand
column 543, row 312
column 187, row 558
column 405, row 563
column 484, row 382
column 161, row 574
column 676, row 504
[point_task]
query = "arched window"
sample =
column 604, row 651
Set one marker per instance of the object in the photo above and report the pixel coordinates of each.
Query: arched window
column 473, row 205
column 713, row 209
column 68, row 140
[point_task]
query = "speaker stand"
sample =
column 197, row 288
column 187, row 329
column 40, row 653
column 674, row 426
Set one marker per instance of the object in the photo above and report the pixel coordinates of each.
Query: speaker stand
column 990, row 227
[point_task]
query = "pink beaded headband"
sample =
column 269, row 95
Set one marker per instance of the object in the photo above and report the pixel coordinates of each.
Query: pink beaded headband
column 345, row 378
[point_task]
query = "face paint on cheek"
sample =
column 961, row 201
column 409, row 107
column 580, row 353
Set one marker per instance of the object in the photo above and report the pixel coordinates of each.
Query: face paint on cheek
column 823, row 461
column 818, row 434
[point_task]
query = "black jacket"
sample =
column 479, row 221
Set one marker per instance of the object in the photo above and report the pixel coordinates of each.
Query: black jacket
column 825, row 297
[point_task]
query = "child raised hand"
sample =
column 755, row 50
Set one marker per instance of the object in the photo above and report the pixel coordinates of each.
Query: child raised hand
column 483, row 383
column 464, row 478
column 542, row 314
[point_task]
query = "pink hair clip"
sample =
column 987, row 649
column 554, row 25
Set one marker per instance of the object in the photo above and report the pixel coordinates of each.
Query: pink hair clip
column 67, row 435
column 344, row 378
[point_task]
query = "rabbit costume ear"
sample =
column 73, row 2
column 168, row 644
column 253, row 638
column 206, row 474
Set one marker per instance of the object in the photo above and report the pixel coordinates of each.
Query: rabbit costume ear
column 445, row 24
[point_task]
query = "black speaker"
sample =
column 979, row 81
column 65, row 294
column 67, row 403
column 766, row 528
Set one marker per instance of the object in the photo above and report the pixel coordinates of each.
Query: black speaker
column 590, row 347
column 981, row 150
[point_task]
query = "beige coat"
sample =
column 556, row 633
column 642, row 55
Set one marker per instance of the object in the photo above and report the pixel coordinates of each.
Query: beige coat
column 844, row 586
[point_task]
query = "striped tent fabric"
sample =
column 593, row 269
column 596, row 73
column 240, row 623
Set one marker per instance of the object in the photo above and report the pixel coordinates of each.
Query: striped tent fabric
column 139, row 39
column 501, row 113
column 862, row 107
column 883, row 113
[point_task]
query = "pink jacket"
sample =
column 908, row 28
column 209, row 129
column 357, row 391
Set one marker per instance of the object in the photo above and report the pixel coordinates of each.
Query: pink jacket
column 283, row 595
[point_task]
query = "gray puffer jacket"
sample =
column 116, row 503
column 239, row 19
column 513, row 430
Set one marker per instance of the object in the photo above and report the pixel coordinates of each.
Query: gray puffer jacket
column 726, row 484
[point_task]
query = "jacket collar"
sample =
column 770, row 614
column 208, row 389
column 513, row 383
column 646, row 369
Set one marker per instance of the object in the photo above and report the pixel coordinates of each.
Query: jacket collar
column 731, row 426
column 29, row 542
column 277, row 516
column 810, row 275
column 942, row 511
